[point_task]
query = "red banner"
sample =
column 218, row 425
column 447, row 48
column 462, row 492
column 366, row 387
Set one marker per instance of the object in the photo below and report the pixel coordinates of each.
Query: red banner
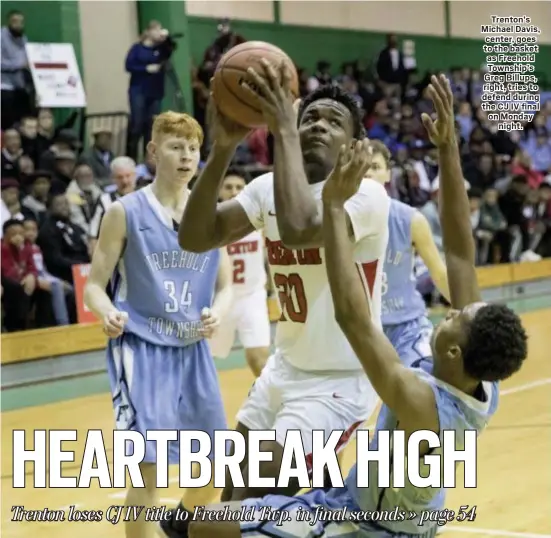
column 80, row 275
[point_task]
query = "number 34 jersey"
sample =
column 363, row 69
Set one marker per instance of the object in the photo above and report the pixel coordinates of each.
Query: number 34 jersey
column 162, row 287
column 247, row 259
column 307, row 334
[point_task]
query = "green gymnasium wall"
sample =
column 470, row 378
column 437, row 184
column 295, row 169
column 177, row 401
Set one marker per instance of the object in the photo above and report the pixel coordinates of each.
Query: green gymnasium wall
column 307, row 45
column 58, row 21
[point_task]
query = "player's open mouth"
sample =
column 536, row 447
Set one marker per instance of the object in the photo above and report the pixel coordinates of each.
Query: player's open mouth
column 184, row 169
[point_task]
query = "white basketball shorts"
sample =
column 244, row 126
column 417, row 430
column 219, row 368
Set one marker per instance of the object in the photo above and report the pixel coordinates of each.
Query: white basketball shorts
column 285, row 398
column 249, row 318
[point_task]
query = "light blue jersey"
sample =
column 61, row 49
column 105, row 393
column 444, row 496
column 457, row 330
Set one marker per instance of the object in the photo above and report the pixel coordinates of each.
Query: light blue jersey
column 403, row 308
column 161, row 372
column 401, row 302
column 162, row 287
column 456, row 411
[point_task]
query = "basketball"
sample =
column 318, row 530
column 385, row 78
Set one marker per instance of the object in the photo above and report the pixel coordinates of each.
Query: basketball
column 232, row 100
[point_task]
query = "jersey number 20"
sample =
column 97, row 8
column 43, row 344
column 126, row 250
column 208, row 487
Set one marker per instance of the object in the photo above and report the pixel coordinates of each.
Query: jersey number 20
column 292, row 298
column 179, row 299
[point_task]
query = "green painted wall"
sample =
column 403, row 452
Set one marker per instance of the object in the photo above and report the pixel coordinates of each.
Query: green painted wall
column 306, row 45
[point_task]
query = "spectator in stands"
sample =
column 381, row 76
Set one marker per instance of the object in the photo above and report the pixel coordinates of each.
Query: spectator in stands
column 83, row 195
column 225, row 40
column 146, row 170
column 10, row 207
column 482, row 174
column 123, row 173
column 63, row 141
column 145, row 62
column 36, row 201
column 465, row 120
column 321, row 77
column 25, row 166
column 11, row 153
column 390, row 68
column 16, row 80
column 64, row 169
column 511, row 204
column 99, row 157
column 63, row 243
column 46, row 130
column 18, row 276
column 430, row 210
column 482, row 237
column 538, row 148
column 61, row 293
column 522, row 165
column 28, row 130
column 493, row 222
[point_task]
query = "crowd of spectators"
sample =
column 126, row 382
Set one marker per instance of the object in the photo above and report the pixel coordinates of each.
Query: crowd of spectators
column 54, row 192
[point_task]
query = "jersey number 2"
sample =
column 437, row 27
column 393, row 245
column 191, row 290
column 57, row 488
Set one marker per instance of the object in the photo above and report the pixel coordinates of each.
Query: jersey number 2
column 292, row 298
column 238, row 271
column 179, row 299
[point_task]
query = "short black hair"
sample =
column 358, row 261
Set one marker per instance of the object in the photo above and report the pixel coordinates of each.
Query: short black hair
column 496, row 344
column 235, row 171
column 335, row 93
column 9, row 223
column 14, row 12
column 475, row 192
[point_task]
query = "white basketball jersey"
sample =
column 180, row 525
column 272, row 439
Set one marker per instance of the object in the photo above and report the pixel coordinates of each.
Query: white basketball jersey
column 307, row 334
column 247, row 258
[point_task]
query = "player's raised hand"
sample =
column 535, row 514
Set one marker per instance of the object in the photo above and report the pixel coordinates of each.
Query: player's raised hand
column 114, row 322
column 222, row 130
column 211, row 321
column 349, row 171
column 442, row 130
column 273, row 94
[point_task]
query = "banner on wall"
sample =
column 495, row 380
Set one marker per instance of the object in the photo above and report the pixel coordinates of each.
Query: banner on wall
column 80, row 275
column 56, row 75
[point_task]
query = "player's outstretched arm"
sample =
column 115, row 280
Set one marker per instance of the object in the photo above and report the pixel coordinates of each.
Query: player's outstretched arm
column 410, row 398
column 207, row 224
column 459, row 247
column 424, row 244
column 112, row 237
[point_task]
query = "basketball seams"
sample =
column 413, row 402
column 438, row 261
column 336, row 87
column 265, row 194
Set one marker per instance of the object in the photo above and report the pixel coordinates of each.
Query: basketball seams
column 232, row 68
column 230, row 89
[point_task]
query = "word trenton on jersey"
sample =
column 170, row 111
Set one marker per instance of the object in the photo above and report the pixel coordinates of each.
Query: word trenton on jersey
column 397, row 459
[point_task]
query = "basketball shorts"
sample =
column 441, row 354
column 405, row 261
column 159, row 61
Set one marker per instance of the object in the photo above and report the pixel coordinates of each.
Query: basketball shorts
column 249, row 318
column 164, row 388
column 285, row 398
column 411, row 339
column 307, row 525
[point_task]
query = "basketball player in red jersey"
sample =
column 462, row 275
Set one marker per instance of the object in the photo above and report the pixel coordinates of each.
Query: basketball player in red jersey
column 313, row 381
column 249, row 313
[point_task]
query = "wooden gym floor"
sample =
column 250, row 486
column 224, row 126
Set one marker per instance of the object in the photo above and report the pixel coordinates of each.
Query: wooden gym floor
column 514, row 470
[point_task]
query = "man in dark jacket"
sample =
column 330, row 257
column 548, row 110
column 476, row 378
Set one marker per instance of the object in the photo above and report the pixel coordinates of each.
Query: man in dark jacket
column 62, row 242
column 146, row 63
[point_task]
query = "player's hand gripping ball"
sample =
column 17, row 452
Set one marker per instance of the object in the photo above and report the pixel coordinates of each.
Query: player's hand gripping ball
column 231, row 83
